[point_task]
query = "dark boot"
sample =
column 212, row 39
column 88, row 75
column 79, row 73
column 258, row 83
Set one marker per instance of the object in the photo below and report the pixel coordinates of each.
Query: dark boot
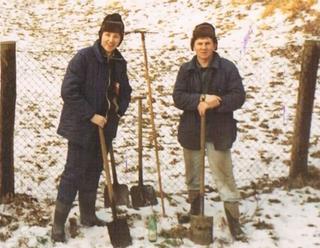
column 194, row 200
column 87, row 205
column 232, row 213
column 60, row 216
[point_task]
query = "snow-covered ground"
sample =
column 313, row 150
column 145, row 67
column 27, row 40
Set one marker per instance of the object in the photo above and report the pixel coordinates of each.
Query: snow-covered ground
column 266, row 51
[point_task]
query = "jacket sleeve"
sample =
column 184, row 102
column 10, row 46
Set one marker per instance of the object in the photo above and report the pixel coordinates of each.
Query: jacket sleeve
column 183, row 99
column 73, row 86
column 235, row 95
column 125, row 92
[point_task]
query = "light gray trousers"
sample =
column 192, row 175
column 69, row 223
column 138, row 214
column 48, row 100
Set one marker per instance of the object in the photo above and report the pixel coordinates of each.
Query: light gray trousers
column 221, row 169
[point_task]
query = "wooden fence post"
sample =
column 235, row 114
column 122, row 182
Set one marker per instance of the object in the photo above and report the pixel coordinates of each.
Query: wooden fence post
column 306, row 94
column 7, row 115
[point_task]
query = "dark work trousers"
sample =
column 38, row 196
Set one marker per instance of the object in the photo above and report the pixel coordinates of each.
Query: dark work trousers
column 81, row 173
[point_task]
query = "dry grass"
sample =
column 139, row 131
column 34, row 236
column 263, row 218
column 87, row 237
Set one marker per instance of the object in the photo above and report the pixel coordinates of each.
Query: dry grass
column 313, row 27
column 237, row 2
column 290, row 7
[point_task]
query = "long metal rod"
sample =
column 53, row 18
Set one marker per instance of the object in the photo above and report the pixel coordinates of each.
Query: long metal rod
column 154, row 133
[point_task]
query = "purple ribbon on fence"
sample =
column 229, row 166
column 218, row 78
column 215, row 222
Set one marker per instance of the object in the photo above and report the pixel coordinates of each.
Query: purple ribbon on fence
column 246, row 38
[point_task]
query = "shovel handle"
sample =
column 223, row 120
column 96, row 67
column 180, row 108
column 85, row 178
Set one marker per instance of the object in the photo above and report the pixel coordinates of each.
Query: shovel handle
column 107, row 170
column 154, row 133
column 140, row 142
column 113, row 166
column 202, row 161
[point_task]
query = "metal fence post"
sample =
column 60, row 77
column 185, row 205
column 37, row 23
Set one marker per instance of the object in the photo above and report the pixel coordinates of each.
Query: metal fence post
column 7, row 116
column 306, row 94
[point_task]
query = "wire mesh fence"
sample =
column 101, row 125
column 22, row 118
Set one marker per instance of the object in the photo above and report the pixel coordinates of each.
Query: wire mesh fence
column 270, row 76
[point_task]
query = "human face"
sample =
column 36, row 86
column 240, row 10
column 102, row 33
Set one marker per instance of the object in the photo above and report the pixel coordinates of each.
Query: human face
column 110, row 41
column 204, row 48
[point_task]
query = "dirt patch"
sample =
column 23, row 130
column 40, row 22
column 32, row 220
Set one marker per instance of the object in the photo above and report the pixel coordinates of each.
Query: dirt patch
column 267, row 185
column 311, row 179
column 23, row 208
column 260, row 225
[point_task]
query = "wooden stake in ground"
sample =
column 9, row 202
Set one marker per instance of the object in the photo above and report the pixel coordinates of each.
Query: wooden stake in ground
column 307, row 85
column 7, row 116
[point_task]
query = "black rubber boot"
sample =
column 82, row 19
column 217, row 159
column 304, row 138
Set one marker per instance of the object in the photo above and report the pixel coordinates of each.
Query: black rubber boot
column 194, row 200
column 232, row 213
column 60, row 216
column 87, row 205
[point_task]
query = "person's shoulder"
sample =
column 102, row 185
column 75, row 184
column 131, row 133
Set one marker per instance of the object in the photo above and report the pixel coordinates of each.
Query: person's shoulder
column 86, row 51
column 226, row 63
column 84, row 55
column 186, row 66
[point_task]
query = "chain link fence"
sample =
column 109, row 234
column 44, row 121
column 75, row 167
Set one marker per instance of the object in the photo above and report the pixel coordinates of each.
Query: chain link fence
column 270, row 76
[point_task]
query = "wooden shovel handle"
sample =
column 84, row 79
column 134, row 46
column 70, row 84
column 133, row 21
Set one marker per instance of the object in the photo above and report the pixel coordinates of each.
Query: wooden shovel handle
column 140, row 142
column 113, row 165
column 106, row 167
column 202, row 161
column 154, row 133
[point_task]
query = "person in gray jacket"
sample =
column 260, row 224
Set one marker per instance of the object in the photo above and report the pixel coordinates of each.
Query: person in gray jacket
column 209, row 85
column 95, row 93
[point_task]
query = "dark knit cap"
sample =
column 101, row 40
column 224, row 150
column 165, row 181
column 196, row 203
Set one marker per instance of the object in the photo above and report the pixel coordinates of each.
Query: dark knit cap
column 203, row 30
column 112, row 23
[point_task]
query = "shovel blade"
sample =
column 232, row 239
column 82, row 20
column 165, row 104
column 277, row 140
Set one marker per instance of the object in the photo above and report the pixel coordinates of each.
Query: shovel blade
column 119, row 232
column 201, row 229
column 121, row 195
column 142, row 196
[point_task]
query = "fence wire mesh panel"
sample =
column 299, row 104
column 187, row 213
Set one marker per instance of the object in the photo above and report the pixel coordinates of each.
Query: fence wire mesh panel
column 265, row 122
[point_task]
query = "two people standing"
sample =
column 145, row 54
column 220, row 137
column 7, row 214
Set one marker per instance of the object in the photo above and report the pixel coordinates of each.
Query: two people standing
column 96, row 93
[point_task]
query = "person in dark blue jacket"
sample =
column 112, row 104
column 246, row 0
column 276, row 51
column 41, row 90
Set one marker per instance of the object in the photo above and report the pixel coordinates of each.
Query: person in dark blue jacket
column 95, row 93
column 209, row 85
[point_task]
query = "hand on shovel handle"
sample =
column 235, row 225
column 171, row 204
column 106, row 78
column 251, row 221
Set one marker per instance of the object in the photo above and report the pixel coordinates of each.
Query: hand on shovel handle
column 99, row 120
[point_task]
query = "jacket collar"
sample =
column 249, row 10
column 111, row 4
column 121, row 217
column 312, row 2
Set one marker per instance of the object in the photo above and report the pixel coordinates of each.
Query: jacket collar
column 98, row 51
column 214, row 64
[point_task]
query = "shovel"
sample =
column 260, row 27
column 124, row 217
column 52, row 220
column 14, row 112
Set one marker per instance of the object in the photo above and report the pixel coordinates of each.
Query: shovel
column 142, row 195
column 118, row 229
column 201, row 226
column 120, row 191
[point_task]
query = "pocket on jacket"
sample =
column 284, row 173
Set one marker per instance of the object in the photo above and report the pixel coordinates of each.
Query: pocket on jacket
column 225, row 133
column 189, row 131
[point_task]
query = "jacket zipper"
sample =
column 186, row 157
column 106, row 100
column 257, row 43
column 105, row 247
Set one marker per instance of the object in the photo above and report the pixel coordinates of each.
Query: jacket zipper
column 108, row 85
